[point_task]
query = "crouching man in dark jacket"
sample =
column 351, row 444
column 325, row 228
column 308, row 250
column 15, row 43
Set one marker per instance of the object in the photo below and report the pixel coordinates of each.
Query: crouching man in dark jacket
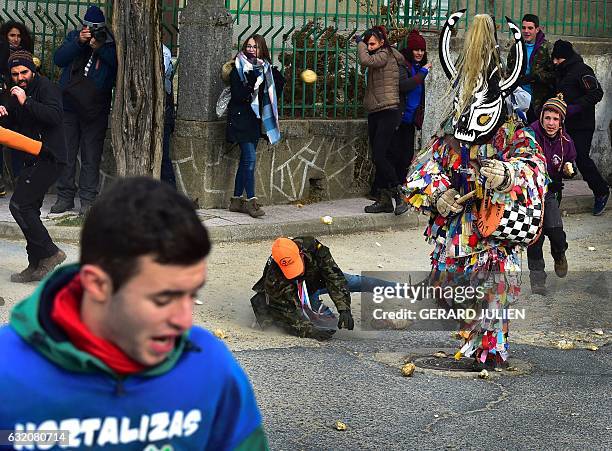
column 297, row 273
column 34, row 109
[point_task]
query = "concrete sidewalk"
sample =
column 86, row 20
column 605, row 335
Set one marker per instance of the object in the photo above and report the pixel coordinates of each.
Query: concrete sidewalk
column 288, row 220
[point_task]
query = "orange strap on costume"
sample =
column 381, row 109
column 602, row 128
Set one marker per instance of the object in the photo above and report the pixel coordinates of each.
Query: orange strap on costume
column 17, row 141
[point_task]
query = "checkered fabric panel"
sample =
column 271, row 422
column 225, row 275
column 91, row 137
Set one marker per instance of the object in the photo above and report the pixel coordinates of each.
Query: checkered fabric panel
column 519, row 224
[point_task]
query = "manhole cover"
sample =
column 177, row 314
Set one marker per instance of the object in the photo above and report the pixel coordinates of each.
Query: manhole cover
column 444, row 363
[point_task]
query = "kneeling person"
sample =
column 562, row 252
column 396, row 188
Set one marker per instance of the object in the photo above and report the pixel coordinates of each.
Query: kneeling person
column 107, row 349
column 297, row 273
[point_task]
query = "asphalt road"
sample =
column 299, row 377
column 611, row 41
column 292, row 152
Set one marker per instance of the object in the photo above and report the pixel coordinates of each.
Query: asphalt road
column 559, row 399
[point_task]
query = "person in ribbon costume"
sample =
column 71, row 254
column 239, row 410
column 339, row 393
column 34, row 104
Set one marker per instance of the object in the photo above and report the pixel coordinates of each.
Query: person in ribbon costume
column 481, row 167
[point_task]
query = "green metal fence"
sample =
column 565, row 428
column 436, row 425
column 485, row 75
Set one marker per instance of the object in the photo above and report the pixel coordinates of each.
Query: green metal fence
column 316, row 34
column 49, row 21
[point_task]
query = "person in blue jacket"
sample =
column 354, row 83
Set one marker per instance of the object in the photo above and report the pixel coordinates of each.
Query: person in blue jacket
column 414, row 103
column 88, row 58
column 105, row 349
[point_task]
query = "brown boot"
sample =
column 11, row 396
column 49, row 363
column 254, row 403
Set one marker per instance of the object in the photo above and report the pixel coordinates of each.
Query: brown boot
column 561, row 266
column 237, row 204
column 46, row 265
column 251, row 207
column 24, row 276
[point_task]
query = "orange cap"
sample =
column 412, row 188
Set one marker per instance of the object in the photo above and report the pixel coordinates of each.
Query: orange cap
column 287, row 256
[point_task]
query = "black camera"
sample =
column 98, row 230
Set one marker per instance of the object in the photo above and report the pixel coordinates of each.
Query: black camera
column 99, row 34
column 98, row 31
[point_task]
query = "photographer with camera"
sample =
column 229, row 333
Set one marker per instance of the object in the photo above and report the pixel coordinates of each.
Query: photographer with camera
column 89, row 61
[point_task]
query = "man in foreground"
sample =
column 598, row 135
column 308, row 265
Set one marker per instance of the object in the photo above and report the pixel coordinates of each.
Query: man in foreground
column 106, row 349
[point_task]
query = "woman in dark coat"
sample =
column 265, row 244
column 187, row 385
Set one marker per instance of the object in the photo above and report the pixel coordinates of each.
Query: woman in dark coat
column 255, row 87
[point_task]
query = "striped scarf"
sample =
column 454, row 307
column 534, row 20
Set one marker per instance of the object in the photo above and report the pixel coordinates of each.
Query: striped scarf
column 269, row 108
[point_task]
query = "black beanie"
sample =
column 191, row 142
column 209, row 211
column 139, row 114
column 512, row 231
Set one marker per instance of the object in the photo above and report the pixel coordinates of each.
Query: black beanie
column 562, row 49
column 21, row 58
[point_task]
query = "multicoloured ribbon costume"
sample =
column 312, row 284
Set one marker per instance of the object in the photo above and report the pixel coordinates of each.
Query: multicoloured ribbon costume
column 461, row 254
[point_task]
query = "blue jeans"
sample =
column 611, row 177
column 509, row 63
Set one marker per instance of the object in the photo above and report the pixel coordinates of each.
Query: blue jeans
column 355, row 284
column 245, row 177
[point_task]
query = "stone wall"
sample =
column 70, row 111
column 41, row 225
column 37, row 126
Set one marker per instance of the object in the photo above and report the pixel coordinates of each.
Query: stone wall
column 316, row 160
column 326, row 159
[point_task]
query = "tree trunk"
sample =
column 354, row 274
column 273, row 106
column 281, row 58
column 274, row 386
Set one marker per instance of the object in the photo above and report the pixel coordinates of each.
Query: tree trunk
column 138, row 110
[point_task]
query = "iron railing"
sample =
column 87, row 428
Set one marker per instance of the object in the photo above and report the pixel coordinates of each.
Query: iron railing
column 316, row 34
column 49, row 21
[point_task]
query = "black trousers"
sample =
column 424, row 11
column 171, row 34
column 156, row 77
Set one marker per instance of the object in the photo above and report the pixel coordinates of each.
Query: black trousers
column 582, row 140
column 402, row 150
column 553, row 229
column 167, row 172
column 25, row 204
column 86, row 137
column 381, row 131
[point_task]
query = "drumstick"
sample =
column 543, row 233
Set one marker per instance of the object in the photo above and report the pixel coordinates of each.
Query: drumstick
column 16, row 141
column 465, row 197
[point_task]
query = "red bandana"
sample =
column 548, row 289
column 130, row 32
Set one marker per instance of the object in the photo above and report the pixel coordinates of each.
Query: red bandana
column 66, row 313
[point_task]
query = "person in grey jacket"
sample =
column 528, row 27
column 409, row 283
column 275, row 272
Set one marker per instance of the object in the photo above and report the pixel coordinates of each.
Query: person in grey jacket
column 382, row 102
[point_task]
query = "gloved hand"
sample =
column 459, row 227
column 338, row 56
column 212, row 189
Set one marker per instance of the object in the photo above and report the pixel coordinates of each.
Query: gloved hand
column 499, row 175
column 569, row 170
column 346, row 320
column 446, row 203
column 321, row 334
column 357, row 38
column 251, row 77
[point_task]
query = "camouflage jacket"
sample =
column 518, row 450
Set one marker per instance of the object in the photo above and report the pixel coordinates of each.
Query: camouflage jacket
column 320, row 271
column 542, row 75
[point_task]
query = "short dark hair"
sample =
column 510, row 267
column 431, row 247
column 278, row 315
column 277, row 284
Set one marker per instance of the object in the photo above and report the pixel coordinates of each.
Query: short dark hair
column 531, row 18
column 140, row 216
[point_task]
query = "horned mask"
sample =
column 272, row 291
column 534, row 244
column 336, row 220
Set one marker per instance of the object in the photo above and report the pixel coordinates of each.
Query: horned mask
column 479, row 119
